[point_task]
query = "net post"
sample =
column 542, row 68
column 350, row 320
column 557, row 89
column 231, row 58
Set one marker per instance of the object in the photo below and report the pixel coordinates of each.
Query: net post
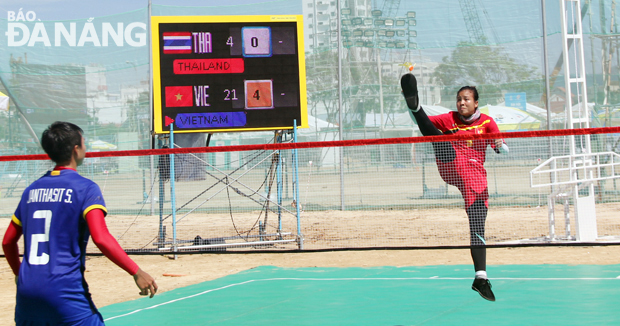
column 172, row 193
column 162, row 194
column 551, row 215
column 279, row 182
column 567, row 218
column 162, row 228
column 296, row 164
column 152, row 137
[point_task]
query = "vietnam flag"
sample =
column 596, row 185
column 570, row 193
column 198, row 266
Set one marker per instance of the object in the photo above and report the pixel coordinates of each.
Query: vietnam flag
column 179, row 96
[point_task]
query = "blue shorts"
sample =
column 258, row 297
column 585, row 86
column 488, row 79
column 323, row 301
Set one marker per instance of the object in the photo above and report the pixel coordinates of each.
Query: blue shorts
column 93, row 320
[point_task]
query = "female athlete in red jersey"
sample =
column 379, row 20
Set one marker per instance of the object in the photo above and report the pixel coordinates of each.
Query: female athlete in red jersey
column 461, row 163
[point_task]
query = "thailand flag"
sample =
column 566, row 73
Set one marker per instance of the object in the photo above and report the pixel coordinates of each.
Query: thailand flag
column 177, row 42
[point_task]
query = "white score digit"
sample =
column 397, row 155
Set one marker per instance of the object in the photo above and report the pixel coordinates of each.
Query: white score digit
column 231, row 94
column 229, row 42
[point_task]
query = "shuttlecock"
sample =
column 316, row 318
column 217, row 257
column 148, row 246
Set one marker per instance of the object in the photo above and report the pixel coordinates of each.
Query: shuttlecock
column 409, row 65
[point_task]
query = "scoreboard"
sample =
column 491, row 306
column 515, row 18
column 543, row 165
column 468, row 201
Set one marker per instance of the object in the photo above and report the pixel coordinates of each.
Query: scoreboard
column 228, row 73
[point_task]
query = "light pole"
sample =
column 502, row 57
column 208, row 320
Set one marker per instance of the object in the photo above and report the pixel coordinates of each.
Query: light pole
column 380, row 33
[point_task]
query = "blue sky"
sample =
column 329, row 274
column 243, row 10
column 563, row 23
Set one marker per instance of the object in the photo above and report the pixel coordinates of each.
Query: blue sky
column 78, row 9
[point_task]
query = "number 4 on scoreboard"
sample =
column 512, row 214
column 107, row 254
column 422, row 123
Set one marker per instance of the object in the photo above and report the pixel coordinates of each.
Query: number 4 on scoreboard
column 258, row 94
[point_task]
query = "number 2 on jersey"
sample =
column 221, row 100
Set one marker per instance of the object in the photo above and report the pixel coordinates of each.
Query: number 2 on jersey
column 34, row 258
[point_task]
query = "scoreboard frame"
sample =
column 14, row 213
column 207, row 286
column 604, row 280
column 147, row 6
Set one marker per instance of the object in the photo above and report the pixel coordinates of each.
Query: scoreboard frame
column 263, row 115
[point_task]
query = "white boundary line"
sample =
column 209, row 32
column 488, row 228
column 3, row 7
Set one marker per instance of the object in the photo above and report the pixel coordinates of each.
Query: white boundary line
column 372, row 279
column 179, row 299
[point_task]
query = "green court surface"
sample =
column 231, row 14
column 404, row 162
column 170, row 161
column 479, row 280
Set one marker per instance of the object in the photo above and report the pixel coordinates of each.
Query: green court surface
column 428, row 295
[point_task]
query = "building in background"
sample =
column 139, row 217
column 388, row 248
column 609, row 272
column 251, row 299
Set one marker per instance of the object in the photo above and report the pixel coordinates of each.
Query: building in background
column 76, row 93
column 320, row 24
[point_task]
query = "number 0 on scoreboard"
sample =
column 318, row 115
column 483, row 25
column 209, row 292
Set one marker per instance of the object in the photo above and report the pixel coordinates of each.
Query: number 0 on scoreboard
column 256, row 41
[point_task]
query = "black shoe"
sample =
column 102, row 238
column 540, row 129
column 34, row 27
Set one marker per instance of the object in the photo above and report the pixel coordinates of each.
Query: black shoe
column 409, row 86
column 483, row 286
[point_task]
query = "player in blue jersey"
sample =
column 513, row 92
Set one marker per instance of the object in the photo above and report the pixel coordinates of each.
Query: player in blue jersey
column 57, row 214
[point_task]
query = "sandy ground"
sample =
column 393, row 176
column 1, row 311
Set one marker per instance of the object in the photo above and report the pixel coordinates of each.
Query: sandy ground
column 109, row 284
column 332, row 229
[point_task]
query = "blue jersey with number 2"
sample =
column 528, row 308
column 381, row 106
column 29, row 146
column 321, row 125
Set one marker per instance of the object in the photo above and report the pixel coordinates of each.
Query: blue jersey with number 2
column 51, row 286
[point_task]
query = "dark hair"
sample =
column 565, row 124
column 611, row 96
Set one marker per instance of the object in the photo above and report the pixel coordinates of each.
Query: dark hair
column 471, row 88
column 59, row 139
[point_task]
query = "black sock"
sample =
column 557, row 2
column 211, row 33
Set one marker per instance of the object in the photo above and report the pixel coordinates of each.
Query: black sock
column 477, row 214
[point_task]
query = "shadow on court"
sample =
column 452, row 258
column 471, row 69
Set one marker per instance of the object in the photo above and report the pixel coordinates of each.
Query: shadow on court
column 429, row 295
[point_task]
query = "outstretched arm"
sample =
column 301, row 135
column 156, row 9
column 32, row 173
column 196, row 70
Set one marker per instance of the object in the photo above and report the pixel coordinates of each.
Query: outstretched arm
column 500, row 147
column 111, row 249
column 10, row 247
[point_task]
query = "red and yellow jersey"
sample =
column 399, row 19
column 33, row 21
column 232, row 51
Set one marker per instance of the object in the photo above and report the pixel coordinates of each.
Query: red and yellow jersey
column 449, row 123
column 466, row 171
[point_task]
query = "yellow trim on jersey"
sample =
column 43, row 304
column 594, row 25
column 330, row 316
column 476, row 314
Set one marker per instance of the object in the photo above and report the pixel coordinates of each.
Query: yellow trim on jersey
column 90, row 208
column 16, row 221
column 464, row 127
column 467, row 127
column 55, row 172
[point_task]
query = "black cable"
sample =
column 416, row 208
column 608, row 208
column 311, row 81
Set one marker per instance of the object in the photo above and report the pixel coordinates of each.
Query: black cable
column 215, row 184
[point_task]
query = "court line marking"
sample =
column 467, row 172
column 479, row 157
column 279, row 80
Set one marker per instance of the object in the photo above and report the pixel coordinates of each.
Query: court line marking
column 178, row 299
column 432, row 278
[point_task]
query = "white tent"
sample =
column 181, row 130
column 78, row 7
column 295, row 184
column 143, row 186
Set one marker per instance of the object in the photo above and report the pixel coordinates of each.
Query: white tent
column 577, row 111
column 405, row 119
column 401, row 120
column 327, row 132
column 436, row 109
column 374, row 120
column 532, row 109
column 511, row 119
column 4, row 102
column 507, row 118
column 390, row 121
column 316, row 124
column 101, row 145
